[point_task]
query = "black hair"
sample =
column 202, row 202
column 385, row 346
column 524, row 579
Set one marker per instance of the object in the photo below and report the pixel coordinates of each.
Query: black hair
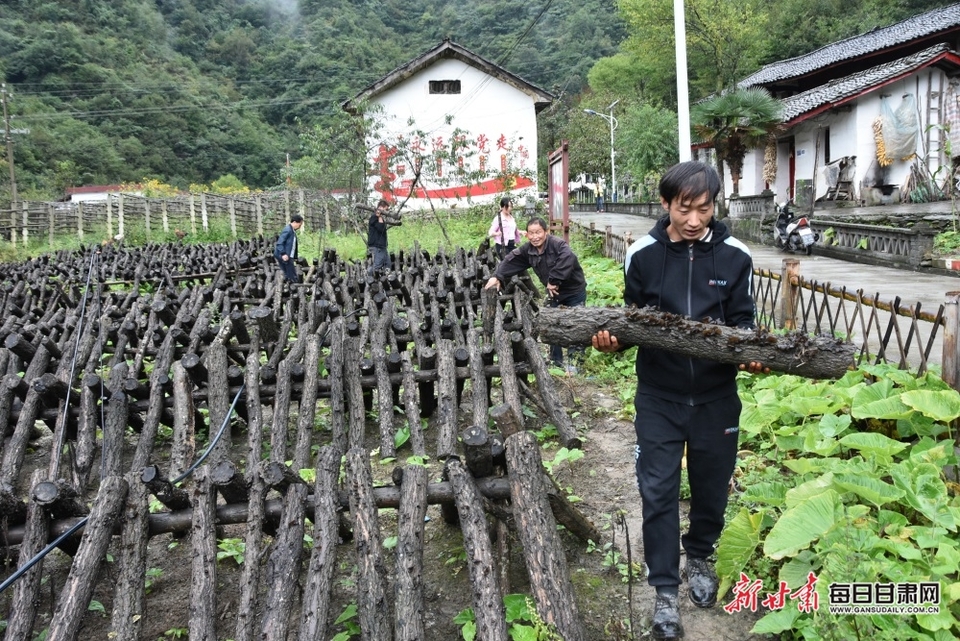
column 537, row 220
column 296, row 218
column 689, row 180
column 504, row 202
column 383, row 203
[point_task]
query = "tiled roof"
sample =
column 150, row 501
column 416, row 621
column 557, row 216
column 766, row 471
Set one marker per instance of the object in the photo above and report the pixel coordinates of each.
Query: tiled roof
column 841, row 90
column 919, row 26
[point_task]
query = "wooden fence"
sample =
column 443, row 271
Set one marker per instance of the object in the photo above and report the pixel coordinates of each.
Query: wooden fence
column 157, row 218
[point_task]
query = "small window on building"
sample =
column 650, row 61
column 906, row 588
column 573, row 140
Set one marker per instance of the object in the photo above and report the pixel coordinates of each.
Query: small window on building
column 444, row 86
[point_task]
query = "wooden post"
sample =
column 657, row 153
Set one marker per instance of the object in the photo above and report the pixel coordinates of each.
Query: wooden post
column 204, row 219
column 193, row 215
column 50, row 223
column 164, row 217
column 13, row 224
column 409, row 624
column 259, row 207
column 80, row 220
column 789, row 293
column 232, row 208
column 302, row 203
column 951, row 340
column 25, row 232
column 120, row 214
column 146, row 217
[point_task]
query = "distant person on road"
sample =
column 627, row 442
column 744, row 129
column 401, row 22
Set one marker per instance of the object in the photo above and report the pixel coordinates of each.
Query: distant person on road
column 504, row 229
column 377, row 237
column 687, row 264
column 558, row 269
column 286, row 249
column 598, row 191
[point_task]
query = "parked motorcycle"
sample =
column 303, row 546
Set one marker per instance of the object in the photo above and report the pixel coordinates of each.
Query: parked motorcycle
column 793, row 234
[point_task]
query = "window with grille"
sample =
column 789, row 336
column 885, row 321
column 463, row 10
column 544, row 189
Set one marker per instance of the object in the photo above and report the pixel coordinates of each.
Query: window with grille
column 444, row 86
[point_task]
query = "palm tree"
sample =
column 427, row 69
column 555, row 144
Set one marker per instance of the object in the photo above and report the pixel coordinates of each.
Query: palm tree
column 735, row 122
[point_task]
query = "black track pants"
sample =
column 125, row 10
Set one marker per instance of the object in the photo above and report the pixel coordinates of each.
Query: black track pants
column 710, row 432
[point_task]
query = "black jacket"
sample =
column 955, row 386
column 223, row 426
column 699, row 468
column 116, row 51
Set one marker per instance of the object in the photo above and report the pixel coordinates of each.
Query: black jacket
column 376, row 233
column 557, row 265
column 709, row 279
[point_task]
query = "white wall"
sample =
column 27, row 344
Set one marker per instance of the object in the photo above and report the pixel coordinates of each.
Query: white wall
column 499, row 122
column 851, row 134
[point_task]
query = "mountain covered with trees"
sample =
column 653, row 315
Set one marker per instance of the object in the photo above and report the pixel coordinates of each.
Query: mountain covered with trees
column 189, row 91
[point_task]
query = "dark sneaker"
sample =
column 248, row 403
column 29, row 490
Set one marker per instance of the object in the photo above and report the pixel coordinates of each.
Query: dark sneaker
column 701, row 582
column 666, row 618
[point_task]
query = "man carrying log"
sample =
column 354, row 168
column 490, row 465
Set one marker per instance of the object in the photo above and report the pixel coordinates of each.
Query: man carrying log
column 377, row 237
column 688, row 264
column 558, row 269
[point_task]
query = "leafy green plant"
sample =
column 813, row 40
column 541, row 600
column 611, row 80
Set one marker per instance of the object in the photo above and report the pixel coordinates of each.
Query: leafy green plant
column 347, row 620
column 151, row 577
column 523, row 622
column 96, row 606
column 563, row 454
column 844, row 480
column 176, row 633
column 231, row 549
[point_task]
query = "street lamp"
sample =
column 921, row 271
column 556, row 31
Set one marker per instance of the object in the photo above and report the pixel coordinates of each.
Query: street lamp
column 613, row 126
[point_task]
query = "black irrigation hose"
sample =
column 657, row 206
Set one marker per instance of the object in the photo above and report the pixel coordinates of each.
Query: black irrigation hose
column 82, row 522
column 13, row 578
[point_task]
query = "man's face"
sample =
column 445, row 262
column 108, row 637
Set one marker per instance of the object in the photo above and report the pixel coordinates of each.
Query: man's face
column 296, row 225
column 537, row 235
column 688, row 218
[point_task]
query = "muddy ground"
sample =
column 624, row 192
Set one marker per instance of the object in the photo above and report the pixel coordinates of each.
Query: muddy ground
column 603, row 480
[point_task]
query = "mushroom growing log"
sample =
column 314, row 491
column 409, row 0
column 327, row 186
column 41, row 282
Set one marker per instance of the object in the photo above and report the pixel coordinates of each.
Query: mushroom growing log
column 817, row 356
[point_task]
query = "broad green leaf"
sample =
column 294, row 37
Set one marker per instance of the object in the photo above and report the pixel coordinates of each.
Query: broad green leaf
column 776, row 621
column 944, row 620
column 799, row 526
column 756, row 418
column 810, row 406
column 878, row 401
column 943, row 406
column 766, row 493
column 809, row 489
column 919, row 425
column 868, row 488
column 795, row 571
column 520, row 632
column 833, row 425
column 924, row 491
column 737, row 544
column 812, row 465
column 469, row 631
column 516, row 607
column 947, row 559
column 872, row 444
column 815, row 443
column 952, row 592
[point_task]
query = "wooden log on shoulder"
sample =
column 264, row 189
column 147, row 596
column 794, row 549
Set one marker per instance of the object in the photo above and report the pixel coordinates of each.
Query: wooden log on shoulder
column 546, row 563
column 409, row 623
column 797, row 353
column 75, row 596
column 374, row 616
column 487, row 593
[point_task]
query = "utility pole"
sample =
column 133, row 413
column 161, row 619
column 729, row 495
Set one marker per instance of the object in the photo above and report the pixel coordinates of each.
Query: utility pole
column 6, row 126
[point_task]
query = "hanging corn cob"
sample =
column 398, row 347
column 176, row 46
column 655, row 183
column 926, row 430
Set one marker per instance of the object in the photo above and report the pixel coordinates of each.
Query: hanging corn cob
column 770, row 162
column 883, row 159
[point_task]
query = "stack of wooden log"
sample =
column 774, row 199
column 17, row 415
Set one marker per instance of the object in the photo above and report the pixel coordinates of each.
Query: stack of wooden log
column 104, row 349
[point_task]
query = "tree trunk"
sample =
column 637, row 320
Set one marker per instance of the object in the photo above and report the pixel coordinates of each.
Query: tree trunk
column 792, row 353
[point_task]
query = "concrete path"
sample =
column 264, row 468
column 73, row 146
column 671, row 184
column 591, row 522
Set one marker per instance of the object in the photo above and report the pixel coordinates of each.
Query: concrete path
column 887, row 282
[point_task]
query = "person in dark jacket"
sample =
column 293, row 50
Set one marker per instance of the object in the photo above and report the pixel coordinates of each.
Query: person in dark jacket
column 558, row 269
column 687, row 264
column 286, row 251
column 377, row 237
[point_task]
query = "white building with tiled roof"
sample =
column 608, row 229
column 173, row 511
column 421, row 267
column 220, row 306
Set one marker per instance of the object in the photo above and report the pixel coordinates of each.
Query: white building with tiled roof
column 468, row 129
column 833, row 98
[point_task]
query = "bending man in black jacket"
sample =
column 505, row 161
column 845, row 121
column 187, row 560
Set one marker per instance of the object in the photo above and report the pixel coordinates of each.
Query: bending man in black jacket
column 688, row 264
column 558, row 269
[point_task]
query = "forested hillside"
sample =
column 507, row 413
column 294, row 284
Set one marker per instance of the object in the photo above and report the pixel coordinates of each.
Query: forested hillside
column 187, row 91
